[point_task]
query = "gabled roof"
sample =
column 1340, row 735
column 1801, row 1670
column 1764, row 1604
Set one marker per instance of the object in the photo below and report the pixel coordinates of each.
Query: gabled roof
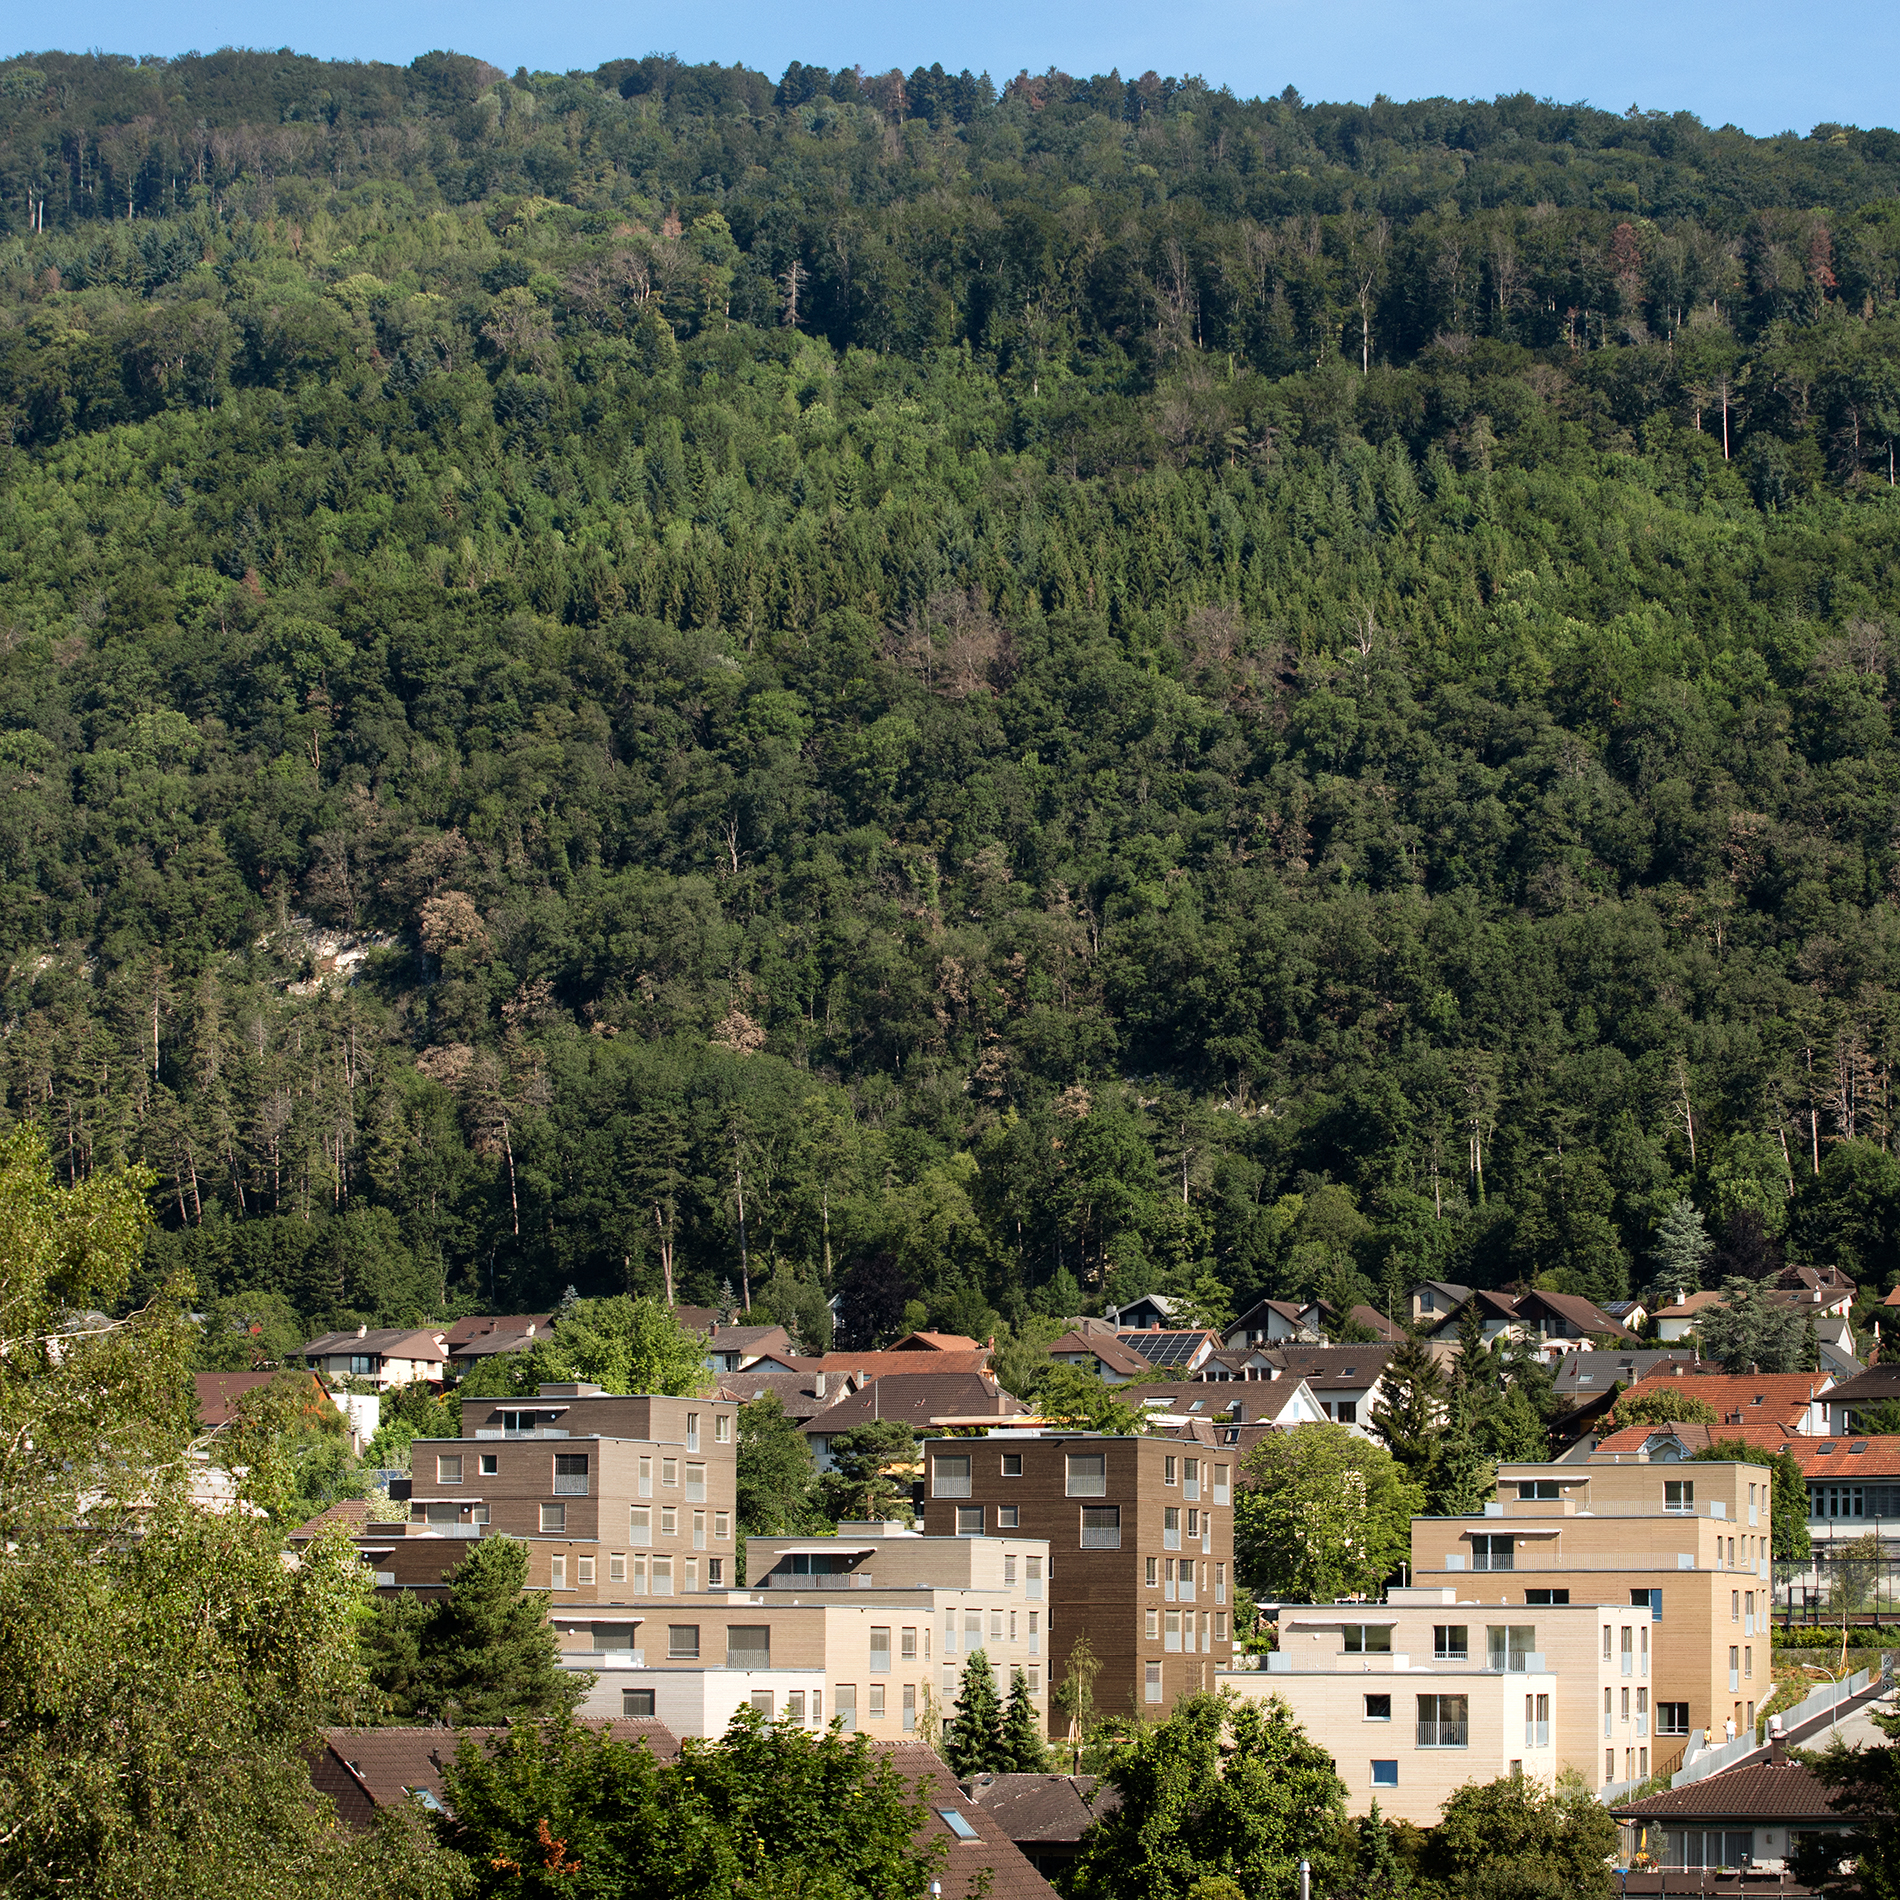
column 1335, row 1368
column 917, row 1399
column 219, row 1394
column 1758, row 1791
column 1746, row 1398
column 1689, row 1308
column 1185, row 1399
column 1585, row 1315
column 392, row 1342
column 1590, row 1374
column 696, row 1319
column 1450, row 1288
column 874, row 1365
column 1634, row 1442
column 1376, row 1322
column 1161, row 1302
column 1260, row 1402
column 351, row 1513
column 798, row 1392
column 747, row 1338
column 1288, row 1310
column 1872, row 1387
column 1497, row 1308
column 933, row 1342
column 992, row 1866
column 508, row 1325
column 379, row 1766
column 1107, row 1349
column 1045, row 1809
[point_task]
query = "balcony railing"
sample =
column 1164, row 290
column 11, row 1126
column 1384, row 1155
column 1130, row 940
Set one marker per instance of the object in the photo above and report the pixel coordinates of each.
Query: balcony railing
column 540, row 1431
column 1444, row 1734
column 570, row 1486
column 603, row 1659
column 945, row 1486
column 830, row 1580
column 1101, row 1537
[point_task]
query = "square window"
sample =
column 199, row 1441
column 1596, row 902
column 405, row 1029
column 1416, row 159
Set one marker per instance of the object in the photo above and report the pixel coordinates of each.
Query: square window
column 1385, row 1774
column 1368, row 1639
column 586, row 1570
column 490, row 1463
column 682, row 1642
column 1008, row 1517
column 1451, row 1642
column 761, row 1700
column 1012, row 1464
column 1088, row 1475
column 748, row 1646
column 1378, row 1708
column 448, row 1470
column 637, row 1703
column 1101, row 1527
column 950, row 1477
column 553, row 1520
column 969, row 1520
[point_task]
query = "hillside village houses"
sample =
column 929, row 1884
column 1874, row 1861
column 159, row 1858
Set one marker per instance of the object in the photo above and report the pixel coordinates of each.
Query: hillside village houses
column 1608, row 1615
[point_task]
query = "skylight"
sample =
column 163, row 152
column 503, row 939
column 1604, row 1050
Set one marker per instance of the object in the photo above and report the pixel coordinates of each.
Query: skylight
column 957, row 1824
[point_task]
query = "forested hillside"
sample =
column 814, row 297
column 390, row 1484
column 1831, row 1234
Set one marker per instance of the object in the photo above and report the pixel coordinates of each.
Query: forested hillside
column 990, row 698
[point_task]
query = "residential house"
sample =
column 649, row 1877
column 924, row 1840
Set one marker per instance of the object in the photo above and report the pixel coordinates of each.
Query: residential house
column 1181, row 1349
column 984, row 1863
column 1373, row 1321
column 1239, row 1364
column 1433, row 1300
column 1500, row 1317
column 1153, row 1312
column 1279, row 1403
column 729, row 1348
column 1141, row 1545
column 1102, row 1354
column 801, row 1394
column 1561, row 1322
column 480, row 1336
column 1876, row 1385
column 219, row 1396
column 386, row 1356
column 1676, row 1319
column 1743, row 1820
column 1045, row 1815
column 1631, row 1315
column 926, row 1401
column 935, row 1342
column 1269, row 1322
column 1797, row 1403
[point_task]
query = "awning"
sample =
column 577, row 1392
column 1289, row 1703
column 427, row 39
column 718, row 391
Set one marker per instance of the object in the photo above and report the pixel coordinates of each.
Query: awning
column 1344, row 1614
column 581, row 1619
column 454, row 1500
column 823, row 1550
column 1504, row 1527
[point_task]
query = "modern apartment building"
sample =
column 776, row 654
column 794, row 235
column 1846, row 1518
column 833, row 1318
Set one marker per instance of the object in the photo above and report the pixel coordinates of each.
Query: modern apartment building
column 872, row 1625
column 1674, row 1563
column 616, row 1497
column 1420, row 1694
column 1140, row 1536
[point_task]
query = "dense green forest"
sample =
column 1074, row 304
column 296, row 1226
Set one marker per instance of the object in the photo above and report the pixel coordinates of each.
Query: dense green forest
column 984, row 698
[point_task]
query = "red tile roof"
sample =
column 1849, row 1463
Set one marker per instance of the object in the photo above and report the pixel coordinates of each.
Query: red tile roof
column 1744, row 1398
column 1105, row 1349
column 874, row 1365
column 934, row 1342
column 473, row 1325
column 220, row 1393
column 991, row 1867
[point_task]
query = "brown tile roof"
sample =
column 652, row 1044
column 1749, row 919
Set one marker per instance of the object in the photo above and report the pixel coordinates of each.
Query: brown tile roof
column 797, row 1391
column 1759, row 1791
column 1873, row 1387
column 1105, row 1349
column 1583, row 1314
column 1376, row 1322
column 1052, row 1809
column 874, row 1365
column 219, row 1393
column 1333, row 1368
column 384, row 1764
column 917, row 1398
column 473, row 1325
column 351, row 1513
column 992, row 1865
column 1745, row 1398
column 696, row 1319
column 934, row 1342
column 393, row 1342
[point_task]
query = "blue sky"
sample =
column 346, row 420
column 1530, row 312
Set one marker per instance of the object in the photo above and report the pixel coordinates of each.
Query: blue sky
column 1767, row 67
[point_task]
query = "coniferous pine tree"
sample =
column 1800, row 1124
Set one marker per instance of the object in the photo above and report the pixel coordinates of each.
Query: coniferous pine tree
column 973, row 1737
column 1409, row 1416
column 1021, row 1749
column 1682, row 1244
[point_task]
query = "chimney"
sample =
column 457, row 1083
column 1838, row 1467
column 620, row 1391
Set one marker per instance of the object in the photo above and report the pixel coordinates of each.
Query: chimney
column 362, row 1332
column 818, row 1386
column 1777, row 1744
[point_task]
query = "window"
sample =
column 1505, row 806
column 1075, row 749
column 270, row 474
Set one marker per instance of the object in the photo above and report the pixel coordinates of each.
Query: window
column 361, row 1363
column 1171, row 1528
column 749, row 1646
column 909, row 1705
column 695, row 1484
column 1012, row 1464
column 448, row 1470
column 1444, row 1721
column 957, row 1824
column 1678, row 1495
column 996, row 1626
column 1734, row 1667
column 715, row 1573
column 1151, row 1571
column 553, row 1520
column 1734, row 1606
column 1088, row 1475
column 1378, row 1708
column 617, row 1568
column 969, row 1520
column 950, row 1477
column 1748, row 1661
column 1672, row 1718
column 669, row 1520
column 1537, row 1491
column 1493, row 1553
column 1009, row 1568
column 881, row 1651
column 844, row 1706
column 1546, row 1596
column 1101, row 1527
column 1008, row 1518
column 692, row 1439
column 1171, row 1629
column 1537, row 1721
column 637, row 1703
column 1151, row 1682
column 1510, row 1647
column 1032, row 1577
column 722, row 1527
column 1151, row 1626
column 1346, row 1412
column 1385, row 1774
column 662, row 1576
column 907, row 1643
column 722, row 1435
column 876, row 1710
column 1650, row 1600
column 1368, row 1639
column 1451, row 1642
column 689, row 1579
column 557, row 1573
column 682, row 1642
column 585, row 1570
column 1168, row 1470
column 670, row 1473
column 1220, row 1583
column 1220, row 1484
column 761, row 1700
column 489, row 1464
column 640, row 1524
column 570, row 1474
column 1035, row 1632
column 1035, row 1679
